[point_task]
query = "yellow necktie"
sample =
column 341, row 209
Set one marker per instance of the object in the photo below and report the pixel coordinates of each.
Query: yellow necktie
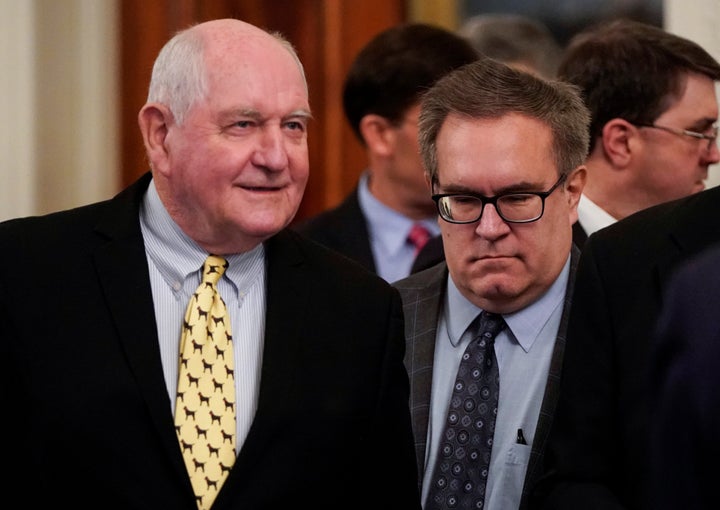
column 205, row 406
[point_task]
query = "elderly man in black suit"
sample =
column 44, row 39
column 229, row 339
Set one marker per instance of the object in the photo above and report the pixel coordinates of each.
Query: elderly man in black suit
column 92, row 303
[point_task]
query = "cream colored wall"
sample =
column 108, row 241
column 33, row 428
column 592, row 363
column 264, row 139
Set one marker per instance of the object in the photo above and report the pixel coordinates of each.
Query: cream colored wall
column 76, row 102
column 59, row 104
column 58, row 96
column 17, row 108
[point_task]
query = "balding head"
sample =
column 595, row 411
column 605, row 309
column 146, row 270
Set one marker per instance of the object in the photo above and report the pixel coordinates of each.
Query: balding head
column 180, row 73
column 225, row 131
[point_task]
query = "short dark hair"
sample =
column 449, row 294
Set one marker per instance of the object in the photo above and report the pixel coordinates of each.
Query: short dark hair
column 631, row 70
column 488, row 89
column 391, row 72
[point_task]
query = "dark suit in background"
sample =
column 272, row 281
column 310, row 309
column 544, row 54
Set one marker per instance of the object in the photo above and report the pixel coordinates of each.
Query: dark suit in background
column 597, row 452
column 652, row 141
column 381, row 94
column 344, row 229
column 685, row 381
column 579, row 235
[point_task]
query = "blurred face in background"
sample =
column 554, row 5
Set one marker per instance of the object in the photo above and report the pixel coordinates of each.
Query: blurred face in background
column 672, row 165
column 398, row 176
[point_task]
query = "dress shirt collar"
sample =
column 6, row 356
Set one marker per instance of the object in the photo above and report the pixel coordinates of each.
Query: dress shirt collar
column 591, row 216
column 525, row 324
column 384, row 222
column 178, row 257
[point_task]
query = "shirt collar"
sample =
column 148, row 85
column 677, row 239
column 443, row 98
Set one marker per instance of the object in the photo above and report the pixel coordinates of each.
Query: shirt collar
column 178, row 257
column 384, row 222
column 525, row 324
column 591, row 216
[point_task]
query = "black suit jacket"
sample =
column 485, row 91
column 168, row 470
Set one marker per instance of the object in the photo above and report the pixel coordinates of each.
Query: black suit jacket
column 579, row 235
column 86, row 414
column 423, row 295
column 343, row 229
column 684, row 447
column 597, row 451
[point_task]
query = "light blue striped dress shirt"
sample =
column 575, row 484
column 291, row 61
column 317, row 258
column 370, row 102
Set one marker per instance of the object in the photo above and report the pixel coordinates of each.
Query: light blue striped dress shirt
column 175, row 262
column 388, row 231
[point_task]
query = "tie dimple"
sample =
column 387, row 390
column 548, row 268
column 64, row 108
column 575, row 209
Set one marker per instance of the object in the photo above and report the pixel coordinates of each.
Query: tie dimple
column 205, row 406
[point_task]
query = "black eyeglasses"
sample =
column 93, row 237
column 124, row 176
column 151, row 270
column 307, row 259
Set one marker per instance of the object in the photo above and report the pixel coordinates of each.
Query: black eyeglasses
column 512, row 207
column 711, row 134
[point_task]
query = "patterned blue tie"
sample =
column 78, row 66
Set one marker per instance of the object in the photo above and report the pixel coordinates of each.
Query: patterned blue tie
column 463, row 461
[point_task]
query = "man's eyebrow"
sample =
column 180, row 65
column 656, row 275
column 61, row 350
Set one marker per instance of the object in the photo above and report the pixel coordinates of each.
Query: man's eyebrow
column 254, row 114
column 518, row 187
column 234, row 114
column 704, row 123
column 302, row 113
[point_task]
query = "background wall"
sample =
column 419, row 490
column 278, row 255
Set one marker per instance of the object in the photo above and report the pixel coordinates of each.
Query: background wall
column 59, row 142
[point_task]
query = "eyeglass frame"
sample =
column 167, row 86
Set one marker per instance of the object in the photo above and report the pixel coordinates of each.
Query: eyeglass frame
column 686, row 132
column 493, row 200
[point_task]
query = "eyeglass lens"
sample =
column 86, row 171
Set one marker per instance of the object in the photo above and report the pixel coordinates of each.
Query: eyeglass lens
column 518, row 207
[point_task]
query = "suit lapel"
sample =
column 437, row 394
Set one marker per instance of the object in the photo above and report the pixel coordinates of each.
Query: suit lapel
column 288, row 288
column 694, row 226
column 122, row 271
column 422, row 302
column 552, row 387
column 579, row 235
column 352, row 231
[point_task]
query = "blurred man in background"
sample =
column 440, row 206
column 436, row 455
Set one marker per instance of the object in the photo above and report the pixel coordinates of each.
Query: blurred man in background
column 388, row 218
column 654, row 110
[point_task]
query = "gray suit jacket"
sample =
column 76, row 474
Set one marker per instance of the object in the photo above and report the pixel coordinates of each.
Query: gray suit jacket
column 422, row 295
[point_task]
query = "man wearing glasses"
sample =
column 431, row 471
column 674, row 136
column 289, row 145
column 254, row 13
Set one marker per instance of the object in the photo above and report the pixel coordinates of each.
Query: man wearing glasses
column 598, row 454
column 503, row 151
column 651, row 96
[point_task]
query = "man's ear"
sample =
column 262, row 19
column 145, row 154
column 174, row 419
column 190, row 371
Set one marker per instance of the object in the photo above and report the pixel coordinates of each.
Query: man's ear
column 428, row 180
column 378, row 133
column 617, row 135
column 574, row 185
column 154, row 120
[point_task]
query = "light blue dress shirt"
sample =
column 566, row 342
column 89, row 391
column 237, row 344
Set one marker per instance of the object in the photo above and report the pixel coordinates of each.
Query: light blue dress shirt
column 175, row 262
column 523, row 350
column 388, row 230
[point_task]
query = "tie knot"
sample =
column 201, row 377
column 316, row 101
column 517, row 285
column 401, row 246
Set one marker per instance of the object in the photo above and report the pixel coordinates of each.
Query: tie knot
column 490, row 324
column 213, row 269
column 418, row 236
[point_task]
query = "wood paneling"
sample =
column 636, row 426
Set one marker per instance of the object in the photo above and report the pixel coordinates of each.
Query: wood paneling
column 327, row 35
